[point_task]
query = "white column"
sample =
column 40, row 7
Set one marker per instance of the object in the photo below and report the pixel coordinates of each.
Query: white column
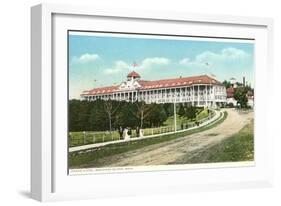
column 134, row 96
column 185, row 94
column 193, row 95
column 145, row 96
column 175, row 116
column 206, row 95
column 213, row 96
column 180, row 95
column 198, row 95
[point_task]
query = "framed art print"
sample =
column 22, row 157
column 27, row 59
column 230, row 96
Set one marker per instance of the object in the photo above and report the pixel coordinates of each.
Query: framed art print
column 136, row 102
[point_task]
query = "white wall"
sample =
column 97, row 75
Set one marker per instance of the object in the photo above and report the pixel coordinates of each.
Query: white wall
column 15, row 83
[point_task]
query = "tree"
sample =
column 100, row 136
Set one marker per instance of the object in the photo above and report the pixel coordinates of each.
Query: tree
column 240, row 95
column 169, row 109
column 181, row 111
column 110, row 107
column 142, row 111
column 73, row 114
column 125, row 116
column 100, row 115
column 226, row 83
column 78, row 115
column 96, row 119
column 190, row 112
column 157, row 115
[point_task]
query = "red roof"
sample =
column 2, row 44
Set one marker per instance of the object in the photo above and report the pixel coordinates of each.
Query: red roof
column 183, row 81
column 157, row 84
column 101, row 90
column 133, row 74
column 230, row 92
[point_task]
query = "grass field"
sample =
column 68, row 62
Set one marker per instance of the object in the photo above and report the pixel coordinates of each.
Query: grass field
column 183, row 120
column 80, row 138
column 80, row 158
column 239, row 147
column 77, row 138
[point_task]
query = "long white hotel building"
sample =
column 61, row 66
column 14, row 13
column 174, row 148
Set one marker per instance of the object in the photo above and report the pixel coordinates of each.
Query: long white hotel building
column 196, row 90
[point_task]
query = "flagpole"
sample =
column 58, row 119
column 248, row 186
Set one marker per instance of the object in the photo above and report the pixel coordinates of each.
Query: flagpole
column 206, row 64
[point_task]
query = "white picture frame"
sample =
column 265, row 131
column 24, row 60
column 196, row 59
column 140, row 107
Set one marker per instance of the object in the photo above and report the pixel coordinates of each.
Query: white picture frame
column 49, row 179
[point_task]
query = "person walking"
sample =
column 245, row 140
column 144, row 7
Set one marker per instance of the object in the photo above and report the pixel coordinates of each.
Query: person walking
column 141, row 132
column 125, row 134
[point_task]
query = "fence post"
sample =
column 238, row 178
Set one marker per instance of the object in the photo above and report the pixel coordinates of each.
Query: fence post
column 69, row 139
column 94, row 139
column 84, row 140
column 152, row 130
column 102, row 137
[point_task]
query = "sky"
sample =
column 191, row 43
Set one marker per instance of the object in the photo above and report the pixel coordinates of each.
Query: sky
column 96, row 60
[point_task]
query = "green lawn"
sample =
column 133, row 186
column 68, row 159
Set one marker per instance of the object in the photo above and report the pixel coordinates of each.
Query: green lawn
column 78, row 159
column 239, row 147
column 202, row 113
column 79, row 138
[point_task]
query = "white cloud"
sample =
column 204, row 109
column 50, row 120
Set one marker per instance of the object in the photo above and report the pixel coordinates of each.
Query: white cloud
column 184, row 61
column 118, row 67
column 86, row 58
column 154, row 61
column 147, row 63
column 224, row 56
column 234, row 53
column 228, row 54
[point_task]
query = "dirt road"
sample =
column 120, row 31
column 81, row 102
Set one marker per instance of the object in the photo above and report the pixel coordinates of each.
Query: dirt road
column 173, row 152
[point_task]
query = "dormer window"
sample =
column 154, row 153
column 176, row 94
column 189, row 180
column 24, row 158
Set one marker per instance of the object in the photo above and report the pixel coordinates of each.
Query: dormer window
column 133, row 75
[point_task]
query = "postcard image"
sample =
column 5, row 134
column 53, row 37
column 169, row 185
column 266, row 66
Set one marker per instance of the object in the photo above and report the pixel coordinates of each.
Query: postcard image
column 152, row 102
